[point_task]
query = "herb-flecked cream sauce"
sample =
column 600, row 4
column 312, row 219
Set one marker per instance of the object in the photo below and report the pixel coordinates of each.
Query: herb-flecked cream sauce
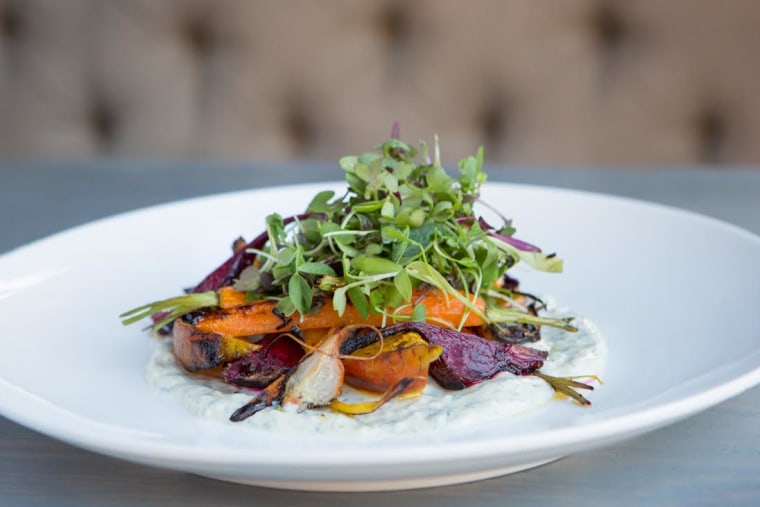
column 570, row 354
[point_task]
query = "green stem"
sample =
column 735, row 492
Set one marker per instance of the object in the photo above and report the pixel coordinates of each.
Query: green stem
column 173, row 307
column 498, row 315
column 568, row 386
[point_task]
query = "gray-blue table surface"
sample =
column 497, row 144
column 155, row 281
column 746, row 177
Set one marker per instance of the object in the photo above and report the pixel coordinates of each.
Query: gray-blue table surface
column 710, row 459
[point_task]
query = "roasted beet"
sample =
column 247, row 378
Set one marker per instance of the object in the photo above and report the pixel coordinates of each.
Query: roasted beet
column 466, row 359
column 259, row 368
column 471, row 360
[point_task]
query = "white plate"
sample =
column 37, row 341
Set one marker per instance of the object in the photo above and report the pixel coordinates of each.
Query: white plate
column 674, row 293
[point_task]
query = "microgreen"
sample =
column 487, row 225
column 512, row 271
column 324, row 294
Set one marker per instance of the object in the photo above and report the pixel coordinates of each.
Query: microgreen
column 404, row 225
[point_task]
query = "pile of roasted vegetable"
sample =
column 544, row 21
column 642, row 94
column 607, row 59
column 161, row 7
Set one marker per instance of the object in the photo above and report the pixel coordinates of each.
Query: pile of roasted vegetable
column 393, row 282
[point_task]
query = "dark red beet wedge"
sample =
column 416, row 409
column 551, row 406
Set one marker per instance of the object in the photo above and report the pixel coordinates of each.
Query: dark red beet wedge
column 260, row 367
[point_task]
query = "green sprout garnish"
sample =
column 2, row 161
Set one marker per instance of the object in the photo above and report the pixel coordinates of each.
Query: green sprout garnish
column 170, row 309
column 402, row 226
column 568, row 386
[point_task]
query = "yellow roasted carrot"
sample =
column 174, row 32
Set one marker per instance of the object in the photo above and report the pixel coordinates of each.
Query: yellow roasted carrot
column 230, row 298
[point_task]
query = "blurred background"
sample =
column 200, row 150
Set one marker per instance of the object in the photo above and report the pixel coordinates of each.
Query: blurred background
column 570, row 82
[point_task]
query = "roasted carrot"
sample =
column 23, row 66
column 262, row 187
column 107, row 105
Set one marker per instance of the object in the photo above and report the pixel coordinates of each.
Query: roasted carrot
column 230, row 298
column 378, row 367
column 196, row 350
column 260, row 318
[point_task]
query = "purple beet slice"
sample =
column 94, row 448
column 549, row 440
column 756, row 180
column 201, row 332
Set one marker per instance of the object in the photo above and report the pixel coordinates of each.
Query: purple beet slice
column 261, row 367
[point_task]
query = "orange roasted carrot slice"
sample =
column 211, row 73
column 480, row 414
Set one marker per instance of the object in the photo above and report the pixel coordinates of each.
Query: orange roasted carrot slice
column 405, row 355
column 259, row 317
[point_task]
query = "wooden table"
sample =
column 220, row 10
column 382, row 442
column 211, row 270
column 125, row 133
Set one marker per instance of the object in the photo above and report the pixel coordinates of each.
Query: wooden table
column 710, row 459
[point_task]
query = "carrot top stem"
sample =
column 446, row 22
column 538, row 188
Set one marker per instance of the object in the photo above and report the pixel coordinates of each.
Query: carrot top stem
column 170, row 309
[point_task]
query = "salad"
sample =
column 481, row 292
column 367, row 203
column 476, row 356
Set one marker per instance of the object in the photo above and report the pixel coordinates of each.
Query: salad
column 394, row 283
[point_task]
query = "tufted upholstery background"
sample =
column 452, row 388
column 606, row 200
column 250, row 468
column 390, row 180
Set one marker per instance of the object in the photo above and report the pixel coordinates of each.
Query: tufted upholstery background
column 536, row 81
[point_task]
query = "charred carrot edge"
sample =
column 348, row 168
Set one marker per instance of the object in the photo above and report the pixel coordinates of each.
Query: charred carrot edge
column 259, row 318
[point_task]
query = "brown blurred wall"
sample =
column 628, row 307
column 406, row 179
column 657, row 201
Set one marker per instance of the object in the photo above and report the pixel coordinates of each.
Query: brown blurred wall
column 640, row 82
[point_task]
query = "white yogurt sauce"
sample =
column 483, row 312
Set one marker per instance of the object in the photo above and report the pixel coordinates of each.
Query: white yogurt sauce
column 570, row 354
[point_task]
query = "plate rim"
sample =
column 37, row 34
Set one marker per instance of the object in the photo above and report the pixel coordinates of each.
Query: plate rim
column 641, row 421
